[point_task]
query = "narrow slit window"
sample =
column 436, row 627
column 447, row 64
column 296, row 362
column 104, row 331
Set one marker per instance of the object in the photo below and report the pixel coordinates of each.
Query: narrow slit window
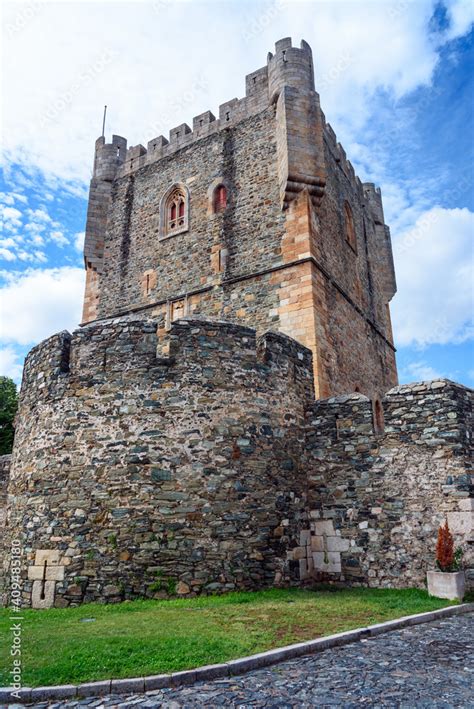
column 220, row 198
column 349, row 228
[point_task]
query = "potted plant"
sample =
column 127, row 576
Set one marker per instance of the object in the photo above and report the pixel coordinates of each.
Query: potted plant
column 448, row 581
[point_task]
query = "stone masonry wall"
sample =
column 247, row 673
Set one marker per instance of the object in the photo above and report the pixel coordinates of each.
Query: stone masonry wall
column 277, row 257
column 139, row 475
column 5, row 461
column 4, row 473
column 377, row 500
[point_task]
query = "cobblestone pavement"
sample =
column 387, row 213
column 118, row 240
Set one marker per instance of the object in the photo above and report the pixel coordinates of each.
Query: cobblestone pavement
column 429, row 665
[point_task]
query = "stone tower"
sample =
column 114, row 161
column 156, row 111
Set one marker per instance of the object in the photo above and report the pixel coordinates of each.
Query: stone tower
column 255, row 217
column 159, row 455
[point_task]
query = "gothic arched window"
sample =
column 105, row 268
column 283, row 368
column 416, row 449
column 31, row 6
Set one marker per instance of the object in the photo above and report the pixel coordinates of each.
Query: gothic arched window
column 220, row 199
column 349, row 228
column 174, row 211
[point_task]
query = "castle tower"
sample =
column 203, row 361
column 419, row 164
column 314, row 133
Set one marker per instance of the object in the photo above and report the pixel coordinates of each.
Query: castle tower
column 255, row 217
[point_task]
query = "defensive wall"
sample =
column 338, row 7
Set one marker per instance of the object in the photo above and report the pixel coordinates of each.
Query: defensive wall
column 201, row 463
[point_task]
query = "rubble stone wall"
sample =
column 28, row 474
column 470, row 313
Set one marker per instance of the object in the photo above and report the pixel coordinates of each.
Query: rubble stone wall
column 377, row 499
column 139, row 475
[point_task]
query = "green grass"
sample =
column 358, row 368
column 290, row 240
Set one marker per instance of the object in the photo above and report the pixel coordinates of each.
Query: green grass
column 150, row 637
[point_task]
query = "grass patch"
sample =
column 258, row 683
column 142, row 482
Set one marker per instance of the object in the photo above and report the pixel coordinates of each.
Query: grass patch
column 143, row 637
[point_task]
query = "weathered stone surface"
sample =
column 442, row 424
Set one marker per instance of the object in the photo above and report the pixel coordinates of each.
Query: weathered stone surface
column 167, row 448
column 278, row 256
column 447, row 585
column 223, row 414
column 389, row 492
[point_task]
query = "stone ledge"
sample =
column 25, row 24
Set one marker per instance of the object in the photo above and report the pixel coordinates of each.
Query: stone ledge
column 231, row 668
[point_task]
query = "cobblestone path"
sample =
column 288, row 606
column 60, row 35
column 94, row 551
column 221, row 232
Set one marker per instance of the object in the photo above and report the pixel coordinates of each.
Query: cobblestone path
column 428, row 665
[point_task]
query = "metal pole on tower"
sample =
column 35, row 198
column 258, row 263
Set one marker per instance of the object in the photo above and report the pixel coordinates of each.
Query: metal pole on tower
column 103, row 122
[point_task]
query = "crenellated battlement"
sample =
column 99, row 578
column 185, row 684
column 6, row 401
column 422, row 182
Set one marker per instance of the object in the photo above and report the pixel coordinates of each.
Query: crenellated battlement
column 230, row 113
column 340, row 157
column 189, row 461
column 129, row 350
column 288, row 66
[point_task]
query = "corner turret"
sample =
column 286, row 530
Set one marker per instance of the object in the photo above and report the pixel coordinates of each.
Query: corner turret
column 108, row 158
column 290, row 66
column 300, row 148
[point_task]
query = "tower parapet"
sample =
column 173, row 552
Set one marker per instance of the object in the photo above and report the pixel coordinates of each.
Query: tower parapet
column 109, row 157
column 290, row 66
column 383, row 254
column 300, row 150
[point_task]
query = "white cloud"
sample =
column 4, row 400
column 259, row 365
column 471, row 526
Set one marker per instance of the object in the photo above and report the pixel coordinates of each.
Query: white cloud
column 79, row 241
column 10, row 364
column 6, row 198
column 380, row 45
column 28, row 239
column 461, row 16
column 58, row 238
column 39, row 302
column 421, row 372
column 6, row 254
column 433, row 262
column 11, row 218
column 39, row 215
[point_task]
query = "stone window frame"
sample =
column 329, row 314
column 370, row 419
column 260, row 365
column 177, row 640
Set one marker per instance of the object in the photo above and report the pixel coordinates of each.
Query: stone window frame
column 180, row 189
column 211, row 193
column 349, row 226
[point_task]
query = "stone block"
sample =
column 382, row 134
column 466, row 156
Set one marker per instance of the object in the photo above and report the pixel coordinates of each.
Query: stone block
column 324, row 527
column 52, row 573
column 178, row 679
column 304, row 536
column 209, row 672
column 299, row 553
column 135, row 685
column 337, row 544
column 157, row 682
column 49, row 555
column 46, row 694
column 94, row 689
column 330, row 562
column 303, row 569
column 12, row 696
column 42, row 594
column 461, row 522
column 317, row 543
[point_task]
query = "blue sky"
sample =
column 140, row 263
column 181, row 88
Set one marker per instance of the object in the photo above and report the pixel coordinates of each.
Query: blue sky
column 396, row 84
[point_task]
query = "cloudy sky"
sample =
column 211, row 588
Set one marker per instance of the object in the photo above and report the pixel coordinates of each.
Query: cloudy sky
column 396, row 84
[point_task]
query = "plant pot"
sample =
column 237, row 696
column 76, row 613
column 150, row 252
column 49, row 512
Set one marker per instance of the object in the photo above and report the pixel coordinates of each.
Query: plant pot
column 446, row 585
